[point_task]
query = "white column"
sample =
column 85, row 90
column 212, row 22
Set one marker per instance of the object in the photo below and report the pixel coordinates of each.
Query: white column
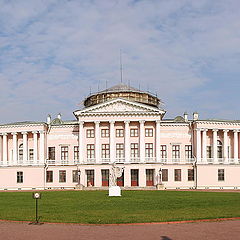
column 5, row 148
column 42, row 147
column 199, row 145
column 1, row 148
column 158, row 155
column 80, row 142
column 204, row 145
column 215, row 158
column 15, row 149
column 97, row 142
column 225, row 145
column 25, row 147
column 127, row 141
column 142, row 141
column 235, row 134
column 112, row 142
column 35, row 146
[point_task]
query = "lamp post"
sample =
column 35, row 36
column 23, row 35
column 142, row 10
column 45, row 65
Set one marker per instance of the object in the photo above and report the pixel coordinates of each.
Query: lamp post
column 79, row 176
column 160, row 176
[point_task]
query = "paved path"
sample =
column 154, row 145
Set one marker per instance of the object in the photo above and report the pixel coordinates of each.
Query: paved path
column 224, row 230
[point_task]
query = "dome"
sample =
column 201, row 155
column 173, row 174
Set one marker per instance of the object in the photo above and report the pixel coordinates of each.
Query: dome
column 122, row 91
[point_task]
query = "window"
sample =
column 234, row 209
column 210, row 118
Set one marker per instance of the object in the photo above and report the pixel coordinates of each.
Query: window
column 105, row 177
column 119, row 133
column 119, row 150
column 90, row 178
column 164, row 175
column 188, row 151
column 104, row 132
column 177, row 174
column 134, row 177
column 75, row 176
column 219, row 149
column 64, row 153
column 51, row 153
column 148, row 150
column 134, row 150
column 20, row 152
column 221, row 174
column 90, row 151
column 62, row 176
column 134, row 132
column 90, row 133
column 49, row 176
column 30, row 154
column 229, row 151
column 19, row 177
column 190, row 174
column 76, row 153
column 149, row 177
column 163, row 149
column 148, row 132
column 105, row 151
column 175, row 151
column 209, row 151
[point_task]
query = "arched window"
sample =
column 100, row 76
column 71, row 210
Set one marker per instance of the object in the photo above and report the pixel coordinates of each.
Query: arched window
column 219, row 149
column 20, row 152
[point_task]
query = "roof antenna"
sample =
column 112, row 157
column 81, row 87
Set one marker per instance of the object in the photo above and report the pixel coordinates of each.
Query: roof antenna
column 90, row 90
column 129, row 84
column 98, row 86
column 121, row 68
column 106, row 84
column 139, row 86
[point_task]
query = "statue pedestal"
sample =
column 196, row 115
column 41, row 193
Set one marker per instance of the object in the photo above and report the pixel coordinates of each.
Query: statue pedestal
column 114, row 191
column 160, row 187
column 79, row 187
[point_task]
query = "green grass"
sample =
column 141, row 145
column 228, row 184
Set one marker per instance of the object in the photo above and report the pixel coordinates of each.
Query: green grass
column 132, row 207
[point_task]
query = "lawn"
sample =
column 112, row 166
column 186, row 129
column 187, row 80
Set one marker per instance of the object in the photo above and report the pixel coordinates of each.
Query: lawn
column 132, row 207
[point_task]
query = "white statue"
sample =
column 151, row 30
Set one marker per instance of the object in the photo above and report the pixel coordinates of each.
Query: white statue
column 115, row 172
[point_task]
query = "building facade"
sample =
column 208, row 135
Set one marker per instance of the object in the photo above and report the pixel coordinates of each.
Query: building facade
column 125, row 126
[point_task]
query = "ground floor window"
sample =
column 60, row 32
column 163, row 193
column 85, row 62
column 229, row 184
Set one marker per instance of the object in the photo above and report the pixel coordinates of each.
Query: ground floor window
column 75, row 176
column 134, row 177
column 190, row 174
column 49, row 176
column 62, row 176
column 105, row 177
column 177, row 174
column 149, row 177
column 90, row 178
column 19, row 177
column 120, row 180
column 164, row 175
column 221, row 175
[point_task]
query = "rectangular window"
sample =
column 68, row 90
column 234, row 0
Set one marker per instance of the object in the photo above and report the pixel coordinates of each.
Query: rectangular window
column 64, row 153
column 62, row 176
column 148, row 132
column 175, row 151
column 19, row 177
column 149, row 177
column 134, row 177
column 105, row 177
column 75, row 176
column 51, row 153
column 104, row 133
column 134, row 150
column 20, row 154
column 31, row 154
column 148, row 150
column 209, row 151
column 188, row 151
column 105, row 151
column 164, row 175
column 90, row 133
column 90, row 178
column 119, row 150
column 90, row 151
column 134, row 132
column 163, row 151
column 177, row 174
column 76, row 153
column 49, row 176
column 119, row 133
column 190, row 174
column 221, row 175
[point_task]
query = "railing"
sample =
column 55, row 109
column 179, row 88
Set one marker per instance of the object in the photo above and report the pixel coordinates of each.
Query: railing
column 135, row 160
column 150, row 159
column 120, row 160
column 105, row 160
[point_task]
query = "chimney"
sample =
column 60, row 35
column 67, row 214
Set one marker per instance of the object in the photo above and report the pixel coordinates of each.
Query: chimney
column 48, row 119
column 59, row 116
column 185, row 115
column 195, row 116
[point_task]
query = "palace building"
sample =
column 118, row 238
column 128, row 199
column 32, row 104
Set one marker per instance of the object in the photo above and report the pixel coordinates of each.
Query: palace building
column 126, row 127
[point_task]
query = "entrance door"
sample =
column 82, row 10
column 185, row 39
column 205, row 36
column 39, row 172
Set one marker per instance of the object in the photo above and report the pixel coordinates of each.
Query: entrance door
column 149, row 177
column 134, row 177
column 105, row 177
column 120, row 180
column 90, row 178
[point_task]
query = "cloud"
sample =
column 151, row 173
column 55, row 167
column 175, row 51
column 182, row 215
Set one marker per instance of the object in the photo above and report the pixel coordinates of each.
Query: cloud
column 52, row 52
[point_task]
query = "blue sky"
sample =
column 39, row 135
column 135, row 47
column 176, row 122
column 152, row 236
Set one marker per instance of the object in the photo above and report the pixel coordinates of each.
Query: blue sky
column 52, row 52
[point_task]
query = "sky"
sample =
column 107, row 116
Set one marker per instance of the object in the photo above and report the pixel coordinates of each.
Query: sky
column 53, row 53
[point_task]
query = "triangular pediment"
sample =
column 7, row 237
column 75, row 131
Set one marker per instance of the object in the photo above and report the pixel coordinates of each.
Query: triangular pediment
column 120, row 106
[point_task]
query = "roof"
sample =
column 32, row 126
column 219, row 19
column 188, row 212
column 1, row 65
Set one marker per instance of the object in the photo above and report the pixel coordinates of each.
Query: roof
column 121, row 88
column 22, row 123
